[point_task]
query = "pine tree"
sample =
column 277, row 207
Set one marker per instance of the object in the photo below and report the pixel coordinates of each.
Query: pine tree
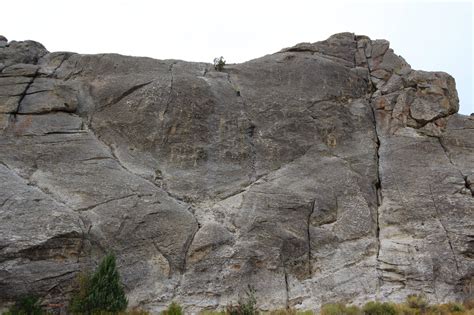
column 102, row 292
column 106, row 292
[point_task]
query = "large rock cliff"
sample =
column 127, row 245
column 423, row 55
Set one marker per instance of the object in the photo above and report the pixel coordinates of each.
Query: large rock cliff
column 324, row 172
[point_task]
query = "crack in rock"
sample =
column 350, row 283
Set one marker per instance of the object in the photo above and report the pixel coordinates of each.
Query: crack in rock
column 249, row 133
column 125, row 94
column 105, row 202
column 188, row 245
column 446, row 232
column 34, row 185
column 378, row 183
column 170, row 95
column 308, row 236
column 25, row 92
column 467, row 183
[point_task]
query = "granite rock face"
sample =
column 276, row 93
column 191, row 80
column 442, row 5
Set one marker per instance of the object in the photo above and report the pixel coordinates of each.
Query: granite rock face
column 325, row 172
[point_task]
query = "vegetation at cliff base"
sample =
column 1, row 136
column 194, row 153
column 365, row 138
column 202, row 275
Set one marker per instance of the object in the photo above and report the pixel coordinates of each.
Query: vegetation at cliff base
column 173, row 309
column 101, row 292
column 28, row 305
column 246, row 306
column 414, row 305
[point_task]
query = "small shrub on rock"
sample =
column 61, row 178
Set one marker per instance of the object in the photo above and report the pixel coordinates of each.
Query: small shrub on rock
column 248, row 305
column 245, row 306
column 288, row 311
column 219, row 63
column 447, row 309
column 173, row 309
column 377, row 308
column 455, row 307
column 332, row 309
column 353, row 310
column 28, row 305
column 469, row 304
column 417, row 302
column 135, row 311
column 78, row 301
column 403, row 309
column 208, row 312
column 282, row 311
column 340, row 309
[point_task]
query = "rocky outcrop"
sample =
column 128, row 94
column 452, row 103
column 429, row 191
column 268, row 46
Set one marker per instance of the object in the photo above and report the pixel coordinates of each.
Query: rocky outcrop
column 325, row 172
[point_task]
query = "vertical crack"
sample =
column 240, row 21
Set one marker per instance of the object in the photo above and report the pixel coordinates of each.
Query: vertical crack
column 308, row 236
column 84, row 237
column 378, row 182
column 205, row 71
column 249, row 133
column 188, row 245
column 448, row 238
column 379, row 197
column 287, row 288
column 159, row 251
column 285, row 278
column 446, row 152
column 170, row 95
column 467, row 183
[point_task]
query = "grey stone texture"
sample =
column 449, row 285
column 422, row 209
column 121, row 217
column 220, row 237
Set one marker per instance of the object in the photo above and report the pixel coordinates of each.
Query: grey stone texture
column 325, row 172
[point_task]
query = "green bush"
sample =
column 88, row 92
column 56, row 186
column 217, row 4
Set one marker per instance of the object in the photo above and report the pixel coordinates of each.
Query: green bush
column 208, row 312
column 340, row 309
column 353, row 310
column 219, row 63
column 173, row 309
column 456, row 307
column 101, row 292
column 135, row 312
column 288, row 311
column 448, row 309
column 79, row 297
column 28, row 305
column 377, row 308
column 245, row 306
column 282, row 311
column 332, row 309
column 248, row 305
column 403, row 309
column 417, row 302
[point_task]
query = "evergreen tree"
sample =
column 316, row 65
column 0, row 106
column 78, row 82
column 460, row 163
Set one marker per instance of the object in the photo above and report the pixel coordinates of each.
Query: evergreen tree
column 106, row 292
column 102, row 292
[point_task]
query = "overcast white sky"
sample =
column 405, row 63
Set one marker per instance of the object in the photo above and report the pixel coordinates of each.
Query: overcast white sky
column 429, row 35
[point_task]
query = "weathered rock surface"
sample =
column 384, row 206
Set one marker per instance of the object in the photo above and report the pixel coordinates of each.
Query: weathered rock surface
column 325, row 172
